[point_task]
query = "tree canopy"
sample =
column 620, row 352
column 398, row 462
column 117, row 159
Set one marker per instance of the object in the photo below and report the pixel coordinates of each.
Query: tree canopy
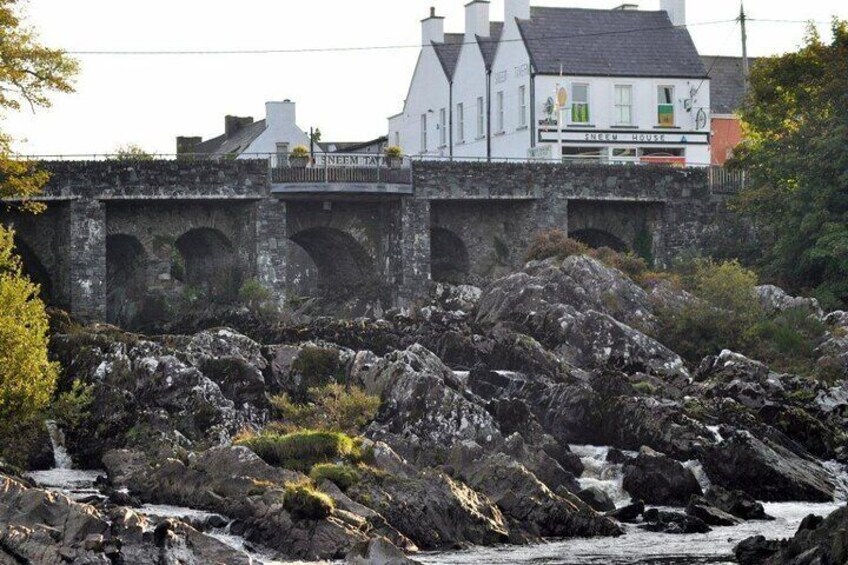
column 29, row 73
column 796, row 152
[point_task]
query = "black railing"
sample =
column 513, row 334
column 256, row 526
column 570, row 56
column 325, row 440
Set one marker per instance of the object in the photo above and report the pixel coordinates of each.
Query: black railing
column 341, row 169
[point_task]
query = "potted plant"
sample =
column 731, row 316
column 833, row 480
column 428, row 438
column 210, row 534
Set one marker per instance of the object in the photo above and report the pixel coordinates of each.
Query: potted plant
column 394, row 156
column 299, row 157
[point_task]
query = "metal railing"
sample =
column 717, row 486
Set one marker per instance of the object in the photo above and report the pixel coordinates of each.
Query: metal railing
column 727, row 181
column 341, row 168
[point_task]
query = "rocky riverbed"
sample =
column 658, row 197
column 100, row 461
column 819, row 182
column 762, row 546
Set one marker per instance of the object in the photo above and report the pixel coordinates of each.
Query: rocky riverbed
column 536, row 409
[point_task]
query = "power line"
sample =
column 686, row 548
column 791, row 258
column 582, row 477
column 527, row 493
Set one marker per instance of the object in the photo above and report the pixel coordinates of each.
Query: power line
column 370, row 47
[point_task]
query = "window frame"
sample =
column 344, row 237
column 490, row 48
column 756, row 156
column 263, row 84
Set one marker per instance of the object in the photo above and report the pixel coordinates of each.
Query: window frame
column 587, row 103
column 481, row 118
column 522, row 106
column 617, row 105
column 443, row 127
column 423, row 133
column 671, row 104
column 460, row 123
column 500, row 111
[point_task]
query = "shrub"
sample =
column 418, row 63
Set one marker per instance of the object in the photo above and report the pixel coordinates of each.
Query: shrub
column 71, row 408
column 318, row 365
column 256, row 297
column 628, row 263
column 554, row 243
column 787, row 341
column 393, row 152
column 27, row 377
column 300, row 151
column 302, row 450
column 645, row 388
column 332, row 407
column 305, row 502
column 343, row 476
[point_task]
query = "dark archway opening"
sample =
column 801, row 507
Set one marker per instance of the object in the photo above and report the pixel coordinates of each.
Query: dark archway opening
column 449, row 261
column 207, row 264
column 343, row 265
column 125, row 279
column 34, row 269
column 599, row 238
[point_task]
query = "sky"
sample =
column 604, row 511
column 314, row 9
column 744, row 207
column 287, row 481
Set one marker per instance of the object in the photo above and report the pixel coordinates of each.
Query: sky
column 149, row 100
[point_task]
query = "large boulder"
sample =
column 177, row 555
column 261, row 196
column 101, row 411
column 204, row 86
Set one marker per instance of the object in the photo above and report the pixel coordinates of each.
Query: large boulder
column 657, row 479
column 775, row 300
column 576, row 284
column 673, row 523
column 709, row 514
column 736, row 503
column 766, row 471
column 378, row 551
column 817, row 542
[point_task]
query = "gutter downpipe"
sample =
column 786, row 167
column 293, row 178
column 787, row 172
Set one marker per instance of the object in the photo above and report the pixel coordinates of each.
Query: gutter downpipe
column 489, row 115
column 450, row 119
column 532, row 107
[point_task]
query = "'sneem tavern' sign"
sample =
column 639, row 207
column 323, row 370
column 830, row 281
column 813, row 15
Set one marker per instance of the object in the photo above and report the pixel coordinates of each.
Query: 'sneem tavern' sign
column 349, row 160
column 626, row 137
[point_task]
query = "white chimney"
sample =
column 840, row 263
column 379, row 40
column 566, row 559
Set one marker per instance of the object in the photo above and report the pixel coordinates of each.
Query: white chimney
column 279, row 114
column 676, row 10
column 516, row 9
column 477, row 18
column 432, row 29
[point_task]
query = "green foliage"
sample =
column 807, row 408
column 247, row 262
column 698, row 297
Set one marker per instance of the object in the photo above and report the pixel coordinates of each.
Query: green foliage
column 256, row 297
column 132, row 152
column 645, row 388
column 331, row 407
column 300, row 451
column 795, row 149
column 299, row 151
column 554, row 243
column 305, row 502
column 318, row 365
column 343, row 476
column 71, row 408
column 393, row 152
column 27, row 377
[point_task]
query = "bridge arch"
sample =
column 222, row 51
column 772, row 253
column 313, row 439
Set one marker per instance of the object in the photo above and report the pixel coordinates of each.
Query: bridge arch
column 449, row 261
column 126, row 281
column 206, row 260
column 34, row 268
column 597, row 238
column 341, row 261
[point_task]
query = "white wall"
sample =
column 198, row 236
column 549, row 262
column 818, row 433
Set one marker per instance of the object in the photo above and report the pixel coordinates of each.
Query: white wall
column 280, row 127
column 511, row 70
column 469, row 84
column 428, row 93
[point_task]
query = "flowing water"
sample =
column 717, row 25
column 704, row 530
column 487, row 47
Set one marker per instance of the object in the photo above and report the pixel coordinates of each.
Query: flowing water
column 61, row 458
column 635, row 548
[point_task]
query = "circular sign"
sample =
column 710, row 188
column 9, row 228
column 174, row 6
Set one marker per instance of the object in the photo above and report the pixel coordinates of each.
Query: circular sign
column 562, row 97
column 701, row 119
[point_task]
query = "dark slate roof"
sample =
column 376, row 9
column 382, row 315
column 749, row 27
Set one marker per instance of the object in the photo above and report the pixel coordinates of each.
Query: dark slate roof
column 727, row 83
column 631, row 43
column 351, row 146
column 448, row 52
column 233, row 145
column 489, row 45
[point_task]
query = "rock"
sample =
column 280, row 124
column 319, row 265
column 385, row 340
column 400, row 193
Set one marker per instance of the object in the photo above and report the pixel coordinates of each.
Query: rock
column 736, row 503
column 576, row 284
column 756, row 550
column 657, row 479
column 775, row 300
column 628, row 514
column 378, row 551
column 597, row 499
column 766, row 471
column 709, row 514
column 457, row 297
column 617, row 457
column 817, row 542
column 673, row 523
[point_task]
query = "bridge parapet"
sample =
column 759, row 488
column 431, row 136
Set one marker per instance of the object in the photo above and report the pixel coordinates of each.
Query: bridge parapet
column 338, row 173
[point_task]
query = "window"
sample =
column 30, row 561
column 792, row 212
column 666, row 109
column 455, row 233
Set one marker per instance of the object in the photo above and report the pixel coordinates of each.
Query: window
column 500, row 111
column 460, row 123
column 481, row 118
column 584, row 155
column 580, row 104
column 443, row 127
column 397, row 139
column 423, row 133
column 624, row 105
column 522, row 106
column 665, row 106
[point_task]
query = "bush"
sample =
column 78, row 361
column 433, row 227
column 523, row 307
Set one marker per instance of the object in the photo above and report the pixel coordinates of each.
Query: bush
column 393, row 152
column 343, row 476
column 787, row 341
column 305, row 502
column 554, row 243
column 318, row 365
column 300, row 451
column 332, row 407
column 300, row 151
column 256, row 297
column 71, row 408
column 27, row 377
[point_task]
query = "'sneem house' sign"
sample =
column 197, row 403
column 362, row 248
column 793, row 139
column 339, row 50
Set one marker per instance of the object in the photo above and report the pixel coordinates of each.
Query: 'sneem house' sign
column 626, row 137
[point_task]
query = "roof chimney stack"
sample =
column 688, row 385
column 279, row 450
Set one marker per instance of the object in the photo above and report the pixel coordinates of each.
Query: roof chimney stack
column 676, row 10
column 232, row 124
column 477, row 19
column 432, row 29
column 516, row 9
column 187, row 145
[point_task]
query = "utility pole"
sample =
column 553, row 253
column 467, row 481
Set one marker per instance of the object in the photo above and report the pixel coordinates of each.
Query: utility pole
column 745, row 68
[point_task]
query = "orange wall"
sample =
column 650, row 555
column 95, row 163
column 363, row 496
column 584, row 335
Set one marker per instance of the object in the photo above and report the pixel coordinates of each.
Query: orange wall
column 727, row 133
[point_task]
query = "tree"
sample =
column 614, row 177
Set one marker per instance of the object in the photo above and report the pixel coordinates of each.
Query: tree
column 132, row 152
column 796, row 151
column 29, row 72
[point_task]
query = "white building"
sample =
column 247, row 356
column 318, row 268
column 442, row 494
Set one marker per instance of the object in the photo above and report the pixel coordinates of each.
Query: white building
column 635, row 88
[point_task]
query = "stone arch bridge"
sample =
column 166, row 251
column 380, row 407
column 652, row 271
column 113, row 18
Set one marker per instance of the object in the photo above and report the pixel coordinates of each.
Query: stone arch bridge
column 125, row 241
